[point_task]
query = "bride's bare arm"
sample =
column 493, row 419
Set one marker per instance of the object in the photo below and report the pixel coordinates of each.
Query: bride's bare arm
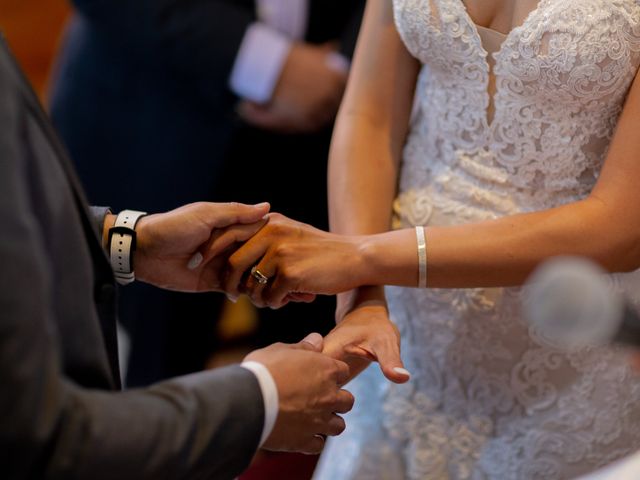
column 604, row 227
column 371, row 127
column 370, row 130
column 367, row 142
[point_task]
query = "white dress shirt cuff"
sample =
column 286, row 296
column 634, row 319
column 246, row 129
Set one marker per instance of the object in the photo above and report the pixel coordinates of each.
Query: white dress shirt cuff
column 269, row 396
column 259, row 63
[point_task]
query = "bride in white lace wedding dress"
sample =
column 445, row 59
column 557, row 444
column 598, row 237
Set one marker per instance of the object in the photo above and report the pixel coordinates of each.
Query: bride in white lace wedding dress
column 502, row 124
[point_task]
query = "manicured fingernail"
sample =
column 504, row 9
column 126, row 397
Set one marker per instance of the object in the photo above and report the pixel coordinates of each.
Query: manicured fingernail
column 232, row 299
column 262, row 205
column 195, row 261
column 402, row 371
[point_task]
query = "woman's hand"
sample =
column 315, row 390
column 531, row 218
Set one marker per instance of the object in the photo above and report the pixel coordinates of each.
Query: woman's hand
column 366, row 334
column 296, row 260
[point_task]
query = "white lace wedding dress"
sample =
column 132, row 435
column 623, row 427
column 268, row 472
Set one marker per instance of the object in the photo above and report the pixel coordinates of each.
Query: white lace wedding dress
column 489, row 400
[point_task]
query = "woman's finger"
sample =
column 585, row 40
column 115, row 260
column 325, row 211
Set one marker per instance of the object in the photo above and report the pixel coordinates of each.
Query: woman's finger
column 276, row 296
column 256, row 282
column 262, row 277
column 241, row 261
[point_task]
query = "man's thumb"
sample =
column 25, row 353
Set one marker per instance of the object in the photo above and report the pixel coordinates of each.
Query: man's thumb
column 312, row 342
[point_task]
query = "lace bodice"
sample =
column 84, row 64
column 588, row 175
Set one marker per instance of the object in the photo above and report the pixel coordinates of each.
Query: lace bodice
column 488, row 399
column 561, row 78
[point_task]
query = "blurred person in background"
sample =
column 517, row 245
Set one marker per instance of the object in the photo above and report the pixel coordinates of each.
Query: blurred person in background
column 180, row 97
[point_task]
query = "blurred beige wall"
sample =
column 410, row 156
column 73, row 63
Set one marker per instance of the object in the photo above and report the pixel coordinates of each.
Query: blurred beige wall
column 33, row 28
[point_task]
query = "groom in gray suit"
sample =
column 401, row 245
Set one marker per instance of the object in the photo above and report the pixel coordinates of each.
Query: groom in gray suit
column 63, row 414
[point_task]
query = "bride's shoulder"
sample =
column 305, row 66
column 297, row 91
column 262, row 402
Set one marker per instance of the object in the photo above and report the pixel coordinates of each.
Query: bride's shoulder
column 625, row 13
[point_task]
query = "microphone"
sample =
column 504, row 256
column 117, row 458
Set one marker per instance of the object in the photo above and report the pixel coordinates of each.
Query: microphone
column 570, row 305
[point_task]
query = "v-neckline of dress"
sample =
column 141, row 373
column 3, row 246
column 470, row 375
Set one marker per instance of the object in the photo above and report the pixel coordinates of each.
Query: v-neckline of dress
column 506, row 36
column 491, row 107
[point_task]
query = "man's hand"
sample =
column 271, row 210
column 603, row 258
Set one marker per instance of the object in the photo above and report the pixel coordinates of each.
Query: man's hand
column 172, row 247
column 309, row 392
column 307, row 95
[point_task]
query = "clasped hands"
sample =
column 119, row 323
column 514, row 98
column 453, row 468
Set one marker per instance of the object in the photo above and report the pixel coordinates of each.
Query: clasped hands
column 214, row 246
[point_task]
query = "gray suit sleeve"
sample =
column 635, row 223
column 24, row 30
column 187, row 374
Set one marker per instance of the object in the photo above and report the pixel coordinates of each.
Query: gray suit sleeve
column 203, row 426
column 98, row 214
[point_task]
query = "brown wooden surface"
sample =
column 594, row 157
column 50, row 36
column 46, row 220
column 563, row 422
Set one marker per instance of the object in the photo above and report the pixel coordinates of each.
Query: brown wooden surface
column 32, row 28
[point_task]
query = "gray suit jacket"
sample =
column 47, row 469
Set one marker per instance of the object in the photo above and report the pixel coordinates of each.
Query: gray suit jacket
column 61, row 412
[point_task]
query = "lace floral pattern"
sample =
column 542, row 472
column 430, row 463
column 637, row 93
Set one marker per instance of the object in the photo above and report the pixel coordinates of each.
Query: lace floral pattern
column 489, row 399
column 561, row 78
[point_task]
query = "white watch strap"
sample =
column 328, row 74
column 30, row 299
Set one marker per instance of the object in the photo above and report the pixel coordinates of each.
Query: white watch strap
column 122, row 245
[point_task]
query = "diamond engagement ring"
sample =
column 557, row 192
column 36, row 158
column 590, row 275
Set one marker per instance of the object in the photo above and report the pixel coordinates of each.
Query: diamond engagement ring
column 260, row 277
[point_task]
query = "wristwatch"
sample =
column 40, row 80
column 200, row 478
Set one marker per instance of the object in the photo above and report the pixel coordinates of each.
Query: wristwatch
column 122, row 244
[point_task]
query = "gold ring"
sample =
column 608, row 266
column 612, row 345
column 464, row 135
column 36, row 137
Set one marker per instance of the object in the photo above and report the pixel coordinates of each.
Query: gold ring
column 260, row 277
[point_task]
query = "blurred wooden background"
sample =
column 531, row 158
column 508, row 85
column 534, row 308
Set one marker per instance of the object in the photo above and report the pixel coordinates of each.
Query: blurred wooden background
column 33, row 29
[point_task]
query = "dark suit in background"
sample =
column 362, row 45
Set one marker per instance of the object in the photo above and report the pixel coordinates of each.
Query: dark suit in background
column 142, row 89
column 61, row 417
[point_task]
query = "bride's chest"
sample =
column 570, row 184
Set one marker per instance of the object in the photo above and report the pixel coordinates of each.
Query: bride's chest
column 556, row 41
